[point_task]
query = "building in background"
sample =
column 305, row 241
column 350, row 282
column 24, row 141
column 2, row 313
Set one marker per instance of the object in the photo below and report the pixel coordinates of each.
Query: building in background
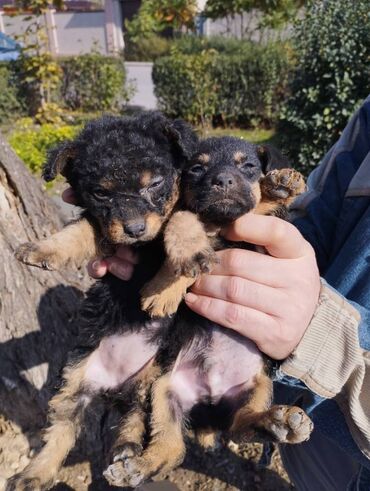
column 79, row 28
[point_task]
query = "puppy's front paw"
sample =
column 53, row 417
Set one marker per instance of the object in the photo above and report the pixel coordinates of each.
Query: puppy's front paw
column 21, row 483
column 289, row 424
column 39, row 254
column 282, row 184
column 161, row 304
column 200, row 262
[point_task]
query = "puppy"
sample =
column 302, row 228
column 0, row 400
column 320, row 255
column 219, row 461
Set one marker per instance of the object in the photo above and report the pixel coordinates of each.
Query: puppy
column 213, row 380
column 124, row 173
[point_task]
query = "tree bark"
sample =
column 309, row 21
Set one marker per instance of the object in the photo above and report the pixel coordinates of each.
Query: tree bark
column 37, row 308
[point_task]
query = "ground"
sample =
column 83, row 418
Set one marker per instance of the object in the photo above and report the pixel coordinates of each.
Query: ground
column 228, row 469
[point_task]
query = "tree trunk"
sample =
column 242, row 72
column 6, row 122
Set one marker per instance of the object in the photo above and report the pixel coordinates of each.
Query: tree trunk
column 37, row 308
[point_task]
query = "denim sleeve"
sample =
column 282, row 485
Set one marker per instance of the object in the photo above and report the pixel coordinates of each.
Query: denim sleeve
column 317, row 212
column 330, row 370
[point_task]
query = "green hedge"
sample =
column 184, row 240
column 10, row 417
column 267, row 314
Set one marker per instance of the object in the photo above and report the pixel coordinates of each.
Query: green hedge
column 246, row 87
column 31, row 143
column 93, row 82
column 154, row 46
column 89, row 83
column 147, row 49
column 11, row 104
column 332, row 77
column 192, row 44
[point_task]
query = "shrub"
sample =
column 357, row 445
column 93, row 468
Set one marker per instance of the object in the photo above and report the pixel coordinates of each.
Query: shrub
column 10, row 103
column 192, row 44
column 146, row 48
column 93, row 82
column 185, row 87
column 245, row 88
column 32, row 143
column 332, row 76
column 252, row 85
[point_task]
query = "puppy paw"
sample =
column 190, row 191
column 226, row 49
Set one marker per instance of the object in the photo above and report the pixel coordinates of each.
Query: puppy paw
column 116, row 475
column 126, row 451
column 39, row 255
column 21, row 483
column 161, row 304
column 128, row 472
column 289, row 424
column 282, row 184
column 200, row 262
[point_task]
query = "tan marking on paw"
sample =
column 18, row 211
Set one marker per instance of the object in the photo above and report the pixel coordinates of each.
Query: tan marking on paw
column 187, row 245
column 163, row 294
column 289, row 424
column 74, row 244
column 283, row 185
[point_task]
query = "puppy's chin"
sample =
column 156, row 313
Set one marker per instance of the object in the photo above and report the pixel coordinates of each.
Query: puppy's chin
column 124, row 239
column 224, row 211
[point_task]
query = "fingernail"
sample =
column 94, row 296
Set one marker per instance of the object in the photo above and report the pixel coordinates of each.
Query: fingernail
column 95, row 265
column 191, row 298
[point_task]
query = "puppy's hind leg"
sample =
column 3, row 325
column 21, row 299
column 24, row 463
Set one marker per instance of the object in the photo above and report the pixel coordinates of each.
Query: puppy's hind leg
column 166, row 449
column 262, row 422
column 65, row 415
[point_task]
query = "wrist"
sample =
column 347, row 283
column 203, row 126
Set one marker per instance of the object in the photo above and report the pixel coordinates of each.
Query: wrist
column 322, row 356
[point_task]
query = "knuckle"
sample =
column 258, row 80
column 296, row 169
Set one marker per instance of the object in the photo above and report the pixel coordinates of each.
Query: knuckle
column 233, row 260
column 205, row 305
column 233, row 314
column 233, row 288
column 279, row 229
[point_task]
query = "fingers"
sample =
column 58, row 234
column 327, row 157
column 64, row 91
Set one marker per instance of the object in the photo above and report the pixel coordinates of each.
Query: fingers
column 249, row 322
column 280, row 238
column 68, row 196
column 127, row 254
column 97, row 268
column 241, row 291
column 250, row 265
column 120, row 265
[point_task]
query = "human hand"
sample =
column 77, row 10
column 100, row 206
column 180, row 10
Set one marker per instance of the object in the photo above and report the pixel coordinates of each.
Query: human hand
column 267, row 298
column 121, row 264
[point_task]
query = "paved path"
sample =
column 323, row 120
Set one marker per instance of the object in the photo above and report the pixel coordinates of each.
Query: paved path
column 141, row 74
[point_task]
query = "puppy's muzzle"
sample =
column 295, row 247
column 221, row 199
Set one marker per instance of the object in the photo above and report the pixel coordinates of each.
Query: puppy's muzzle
column 135, row 228
column 224, row 181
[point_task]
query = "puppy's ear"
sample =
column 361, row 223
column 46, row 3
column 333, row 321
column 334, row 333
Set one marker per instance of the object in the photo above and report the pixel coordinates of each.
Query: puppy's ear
column 183, row 136
column 59, row 160
column 271, row 158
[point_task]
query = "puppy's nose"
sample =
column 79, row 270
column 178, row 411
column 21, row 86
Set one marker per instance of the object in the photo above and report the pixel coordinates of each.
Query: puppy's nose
column 135, row 229
column 223, row 181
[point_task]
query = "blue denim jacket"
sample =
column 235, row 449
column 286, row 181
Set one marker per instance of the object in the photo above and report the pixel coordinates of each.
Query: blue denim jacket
column 334, row 216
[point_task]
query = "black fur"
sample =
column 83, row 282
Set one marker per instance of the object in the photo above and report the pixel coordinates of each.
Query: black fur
column 118, row 151
column 221, row 190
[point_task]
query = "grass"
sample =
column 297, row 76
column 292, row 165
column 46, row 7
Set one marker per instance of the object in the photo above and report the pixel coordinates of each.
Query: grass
column 255, row 135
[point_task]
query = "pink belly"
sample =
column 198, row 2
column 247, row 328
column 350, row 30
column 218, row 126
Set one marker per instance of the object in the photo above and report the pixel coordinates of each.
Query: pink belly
column 231, row 365
column 117, row 359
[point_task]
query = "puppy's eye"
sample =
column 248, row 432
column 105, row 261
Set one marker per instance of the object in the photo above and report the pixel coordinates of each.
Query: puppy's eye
column 248, row 165
column 156, row 183
column 196, row 169
column 99, row 193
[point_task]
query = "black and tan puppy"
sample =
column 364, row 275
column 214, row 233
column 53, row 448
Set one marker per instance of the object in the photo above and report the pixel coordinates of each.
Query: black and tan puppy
column 124, row 172
column 214, row 380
